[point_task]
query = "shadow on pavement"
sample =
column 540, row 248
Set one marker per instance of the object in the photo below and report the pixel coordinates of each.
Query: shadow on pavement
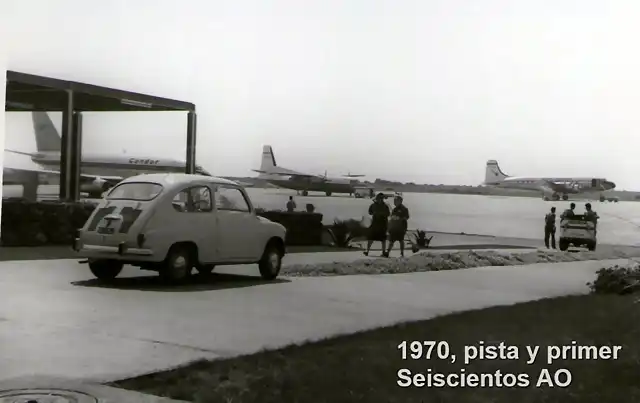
column 479, row 246
column 197, row 282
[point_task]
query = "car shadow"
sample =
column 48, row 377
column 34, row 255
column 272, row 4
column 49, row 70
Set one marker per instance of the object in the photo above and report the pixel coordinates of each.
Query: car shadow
column 197, row 282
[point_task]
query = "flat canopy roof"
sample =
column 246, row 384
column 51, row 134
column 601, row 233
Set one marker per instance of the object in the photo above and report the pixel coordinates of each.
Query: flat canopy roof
column 28, row 92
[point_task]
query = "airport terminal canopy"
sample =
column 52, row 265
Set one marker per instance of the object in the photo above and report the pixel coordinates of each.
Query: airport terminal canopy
column 31, row 93
column 28, row 92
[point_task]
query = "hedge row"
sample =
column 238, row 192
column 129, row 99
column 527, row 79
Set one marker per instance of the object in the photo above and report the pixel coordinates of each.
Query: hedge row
column 54, row 223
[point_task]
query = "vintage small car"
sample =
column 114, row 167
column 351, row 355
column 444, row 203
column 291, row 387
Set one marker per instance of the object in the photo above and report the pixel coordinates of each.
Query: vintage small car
column 172, row 223
column 578, row 231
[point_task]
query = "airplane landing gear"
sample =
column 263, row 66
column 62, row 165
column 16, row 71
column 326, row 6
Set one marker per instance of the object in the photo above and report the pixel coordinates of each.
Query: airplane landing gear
column 328, row 193
column 565, row 197
column 602, row 198
column 555, row 197
column 305, row 193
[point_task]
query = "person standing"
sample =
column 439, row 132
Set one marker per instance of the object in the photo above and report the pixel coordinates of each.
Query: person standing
column 291, row 205
column 398, row 225
column 570, row 212
column 379, row 212
column 550, row 228
column 592, row 216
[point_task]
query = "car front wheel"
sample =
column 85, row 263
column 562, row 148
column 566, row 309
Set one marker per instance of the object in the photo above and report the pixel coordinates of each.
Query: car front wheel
column 271, row 262
column 105, row 269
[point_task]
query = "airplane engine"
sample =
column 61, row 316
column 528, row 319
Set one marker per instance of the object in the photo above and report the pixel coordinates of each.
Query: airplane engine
column 95, row 188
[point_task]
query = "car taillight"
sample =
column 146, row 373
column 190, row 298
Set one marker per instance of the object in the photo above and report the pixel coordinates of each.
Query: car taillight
column 140, row 240
column 76, row 240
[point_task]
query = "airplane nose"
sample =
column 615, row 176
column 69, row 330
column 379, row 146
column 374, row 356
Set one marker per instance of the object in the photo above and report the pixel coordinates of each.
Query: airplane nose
column 609, row 185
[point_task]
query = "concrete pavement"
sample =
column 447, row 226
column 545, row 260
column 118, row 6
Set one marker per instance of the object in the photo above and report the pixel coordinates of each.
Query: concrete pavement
column 56, row 320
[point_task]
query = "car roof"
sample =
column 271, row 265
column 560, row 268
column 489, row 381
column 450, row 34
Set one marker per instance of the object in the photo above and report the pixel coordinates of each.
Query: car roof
column 174, row 179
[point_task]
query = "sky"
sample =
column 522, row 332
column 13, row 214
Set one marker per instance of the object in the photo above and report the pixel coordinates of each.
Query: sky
column 422, row 91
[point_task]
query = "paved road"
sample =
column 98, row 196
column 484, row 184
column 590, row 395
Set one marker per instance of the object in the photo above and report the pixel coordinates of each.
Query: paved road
column 56, row 320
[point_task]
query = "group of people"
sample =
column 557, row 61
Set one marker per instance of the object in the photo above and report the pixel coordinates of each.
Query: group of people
column 384, row 220
column 550, row 221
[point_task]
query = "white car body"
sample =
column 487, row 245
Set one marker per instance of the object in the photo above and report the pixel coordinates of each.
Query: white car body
column 143, row 219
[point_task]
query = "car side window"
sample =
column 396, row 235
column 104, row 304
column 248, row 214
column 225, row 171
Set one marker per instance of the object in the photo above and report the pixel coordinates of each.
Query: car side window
column 230, row 198
column 196, row 199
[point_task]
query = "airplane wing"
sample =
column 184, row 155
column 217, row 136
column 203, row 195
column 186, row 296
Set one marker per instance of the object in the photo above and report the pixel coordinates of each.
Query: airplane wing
column 245, row 184
column 350, row 175
column 563, row 187
column 112, row 180
column 286, row 173
column 106, row 178
column 21, row 152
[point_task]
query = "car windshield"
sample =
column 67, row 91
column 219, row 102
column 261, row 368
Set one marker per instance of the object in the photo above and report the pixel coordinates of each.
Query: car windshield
column 140, row 191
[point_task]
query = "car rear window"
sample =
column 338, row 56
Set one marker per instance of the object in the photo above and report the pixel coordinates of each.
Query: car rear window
column 140, row 191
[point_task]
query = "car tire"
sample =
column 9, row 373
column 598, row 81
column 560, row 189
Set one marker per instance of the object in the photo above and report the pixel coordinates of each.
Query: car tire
column 591, row 246
column 271, row 262
column 178, row 265
column 564, row 245
column 205, row 269
column 104, row 269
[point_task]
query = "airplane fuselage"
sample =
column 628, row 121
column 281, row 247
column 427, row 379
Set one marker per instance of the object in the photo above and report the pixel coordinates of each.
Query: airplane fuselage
column 314, row 184
column 560, row 185
column 114, row 166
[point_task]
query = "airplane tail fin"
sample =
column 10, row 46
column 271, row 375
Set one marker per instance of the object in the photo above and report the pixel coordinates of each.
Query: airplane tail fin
column 493, row 173
column 268, row 162
column 47, row 137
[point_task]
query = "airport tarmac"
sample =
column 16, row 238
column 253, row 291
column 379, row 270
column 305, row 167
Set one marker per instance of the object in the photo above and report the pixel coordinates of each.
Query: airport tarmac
column 512, row 217
column 55, row 319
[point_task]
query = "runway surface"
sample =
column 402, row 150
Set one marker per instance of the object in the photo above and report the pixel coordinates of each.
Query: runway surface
column 515, row 217
column 55, row 319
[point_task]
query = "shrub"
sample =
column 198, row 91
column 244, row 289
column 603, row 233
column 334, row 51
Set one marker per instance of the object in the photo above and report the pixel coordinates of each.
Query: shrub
column 421, row 240
column 345, row 232
column 616, row 280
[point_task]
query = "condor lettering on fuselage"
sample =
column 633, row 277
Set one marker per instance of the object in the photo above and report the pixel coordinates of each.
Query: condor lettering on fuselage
column 143, row 162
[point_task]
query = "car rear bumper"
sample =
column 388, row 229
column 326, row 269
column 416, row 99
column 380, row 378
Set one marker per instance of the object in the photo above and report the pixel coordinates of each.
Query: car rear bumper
column 578, row 240
column 86, row 250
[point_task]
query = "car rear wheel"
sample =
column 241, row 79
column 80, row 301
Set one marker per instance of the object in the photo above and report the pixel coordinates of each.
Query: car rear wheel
column 271, row 262
column 178, row 264
column 105, row 269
